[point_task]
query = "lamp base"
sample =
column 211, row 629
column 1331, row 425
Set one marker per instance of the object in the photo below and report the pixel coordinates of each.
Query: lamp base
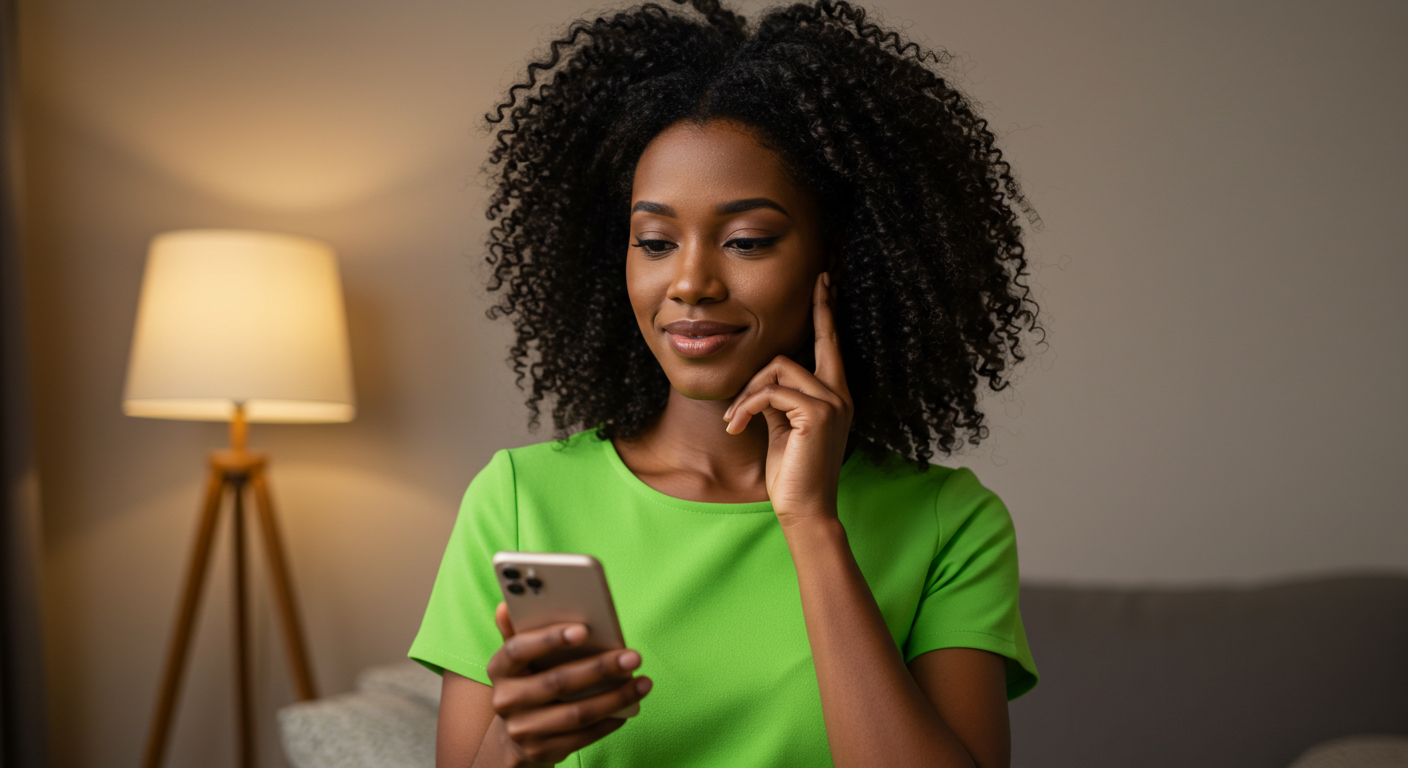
column 235, row 469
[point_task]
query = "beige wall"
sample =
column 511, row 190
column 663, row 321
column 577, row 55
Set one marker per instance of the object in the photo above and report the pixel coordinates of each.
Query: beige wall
column 1222, row 189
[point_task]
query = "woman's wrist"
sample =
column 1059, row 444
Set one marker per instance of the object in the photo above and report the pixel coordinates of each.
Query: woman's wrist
column 498, row 750
column 819, row 528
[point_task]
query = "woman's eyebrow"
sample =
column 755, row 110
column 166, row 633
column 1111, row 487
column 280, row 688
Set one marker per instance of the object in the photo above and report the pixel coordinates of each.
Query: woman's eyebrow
column 657, row 208
column 752, row 203
column 725, row 209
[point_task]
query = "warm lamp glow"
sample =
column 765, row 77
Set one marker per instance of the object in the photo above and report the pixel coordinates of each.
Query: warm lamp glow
column 236, row 316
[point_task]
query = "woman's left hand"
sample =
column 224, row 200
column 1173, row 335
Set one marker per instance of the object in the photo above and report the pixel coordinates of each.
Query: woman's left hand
column 809, row 418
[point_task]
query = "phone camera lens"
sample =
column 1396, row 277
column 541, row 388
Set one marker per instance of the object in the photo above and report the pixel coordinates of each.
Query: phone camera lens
column 516, row 588
column 536, row 584
column 511, row 573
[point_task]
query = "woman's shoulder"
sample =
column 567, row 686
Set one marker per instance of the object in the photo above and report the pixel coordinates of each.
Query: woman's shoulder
column 892, row 470
column 575, row 446
column 952, row 493
column 583, row 451
column 563, row 463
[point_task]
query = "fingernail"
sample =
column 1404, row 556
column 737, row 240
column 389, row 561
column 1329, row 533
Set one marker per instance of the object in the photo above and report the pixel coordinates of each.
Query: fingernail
column 628, row 660
column 643, row 685
column 575, row 634
column 826, row 279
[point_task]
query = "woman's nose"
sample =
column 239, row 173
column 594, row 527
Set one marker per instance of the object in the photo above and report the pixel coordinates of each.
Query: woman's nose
column 696, row 279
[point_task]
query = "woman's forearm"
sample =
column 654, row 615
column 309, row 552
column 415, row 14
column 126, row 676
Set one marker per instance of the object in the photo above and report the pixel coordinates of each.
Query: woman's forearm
column 875, row 713
column 495, row 751
column 491, row 752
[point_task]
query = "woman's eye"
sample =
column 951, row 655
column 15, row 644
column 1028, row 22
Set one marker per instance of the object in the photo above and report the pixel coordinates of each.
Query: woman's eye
column 750, row 244
column 653, row 247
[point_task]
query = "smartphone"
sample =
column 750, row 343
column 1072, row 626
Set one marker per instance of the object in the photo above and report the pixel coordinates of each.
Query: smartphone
column 543, row 588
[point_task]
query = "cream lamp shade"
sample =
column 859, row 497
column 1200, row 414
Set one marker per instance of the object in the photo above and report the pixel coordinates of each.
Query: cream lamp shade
column 231, row 317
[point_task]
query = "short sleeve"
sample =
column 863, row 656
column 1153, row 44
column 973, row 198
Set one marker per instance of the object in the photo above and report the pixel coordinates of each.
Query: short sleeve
column 971, row 588
column 458, row 631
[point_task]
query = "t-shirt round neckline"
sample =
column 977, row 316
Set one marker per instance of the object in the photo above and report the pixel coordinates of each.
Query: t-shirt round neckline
column 703, row 507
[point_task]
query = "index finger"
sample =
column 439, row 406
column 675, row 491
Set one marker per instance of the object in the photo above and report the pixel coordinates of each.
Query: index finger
column 523, row 648
column 502, row 621
column 829, row 369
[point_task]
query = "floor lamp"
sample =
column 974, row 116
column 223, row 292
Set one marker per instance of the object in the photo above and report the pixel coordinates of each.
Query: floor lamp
column 237, row 326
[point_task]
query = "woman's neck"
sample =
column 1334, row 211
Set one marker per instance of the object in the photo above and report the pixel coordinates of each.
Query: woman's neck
column 688, row 455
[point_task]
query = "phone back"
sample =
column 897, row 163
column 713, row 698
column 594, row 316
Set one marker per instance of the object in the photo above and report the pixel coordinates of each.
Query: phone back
column 548, row 588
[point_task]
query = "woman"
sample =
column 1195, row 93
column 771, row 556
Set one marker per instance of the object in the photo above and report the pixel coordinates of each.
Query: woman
column 764, row 269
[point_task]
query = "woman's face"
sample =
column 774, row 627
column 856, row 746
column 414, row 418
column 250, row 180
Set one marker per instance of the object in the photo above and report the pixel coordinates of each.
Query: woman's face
column 723, row 258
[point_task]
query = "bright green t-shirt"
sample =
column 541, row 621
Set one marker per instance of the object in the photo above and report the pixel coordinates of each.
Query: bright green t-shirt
column 708, row 594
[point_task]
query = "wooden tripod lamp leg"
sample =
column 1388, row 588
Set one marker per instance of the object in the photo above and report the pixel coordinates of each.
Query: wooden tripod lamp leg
column 244, row 700
column 283, row 589
column 185, row 620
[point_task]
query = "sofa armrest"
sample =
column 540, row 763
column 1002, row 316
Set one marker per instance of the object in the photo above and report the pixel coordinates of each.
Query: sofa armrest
column 403, row 678
column 370, row 729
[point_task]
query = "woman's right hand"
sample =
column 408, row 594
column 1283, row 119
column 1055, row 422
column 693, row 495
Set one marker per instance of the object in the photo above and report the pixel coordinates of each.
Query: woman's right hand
column 533, row 726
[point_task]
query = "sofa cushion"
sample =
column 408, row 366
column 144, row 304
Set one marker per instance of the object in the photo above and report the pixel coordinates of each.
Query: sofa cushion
column 359, row 730
column 1244, row 678
column 1358, row 752
column 403, row 678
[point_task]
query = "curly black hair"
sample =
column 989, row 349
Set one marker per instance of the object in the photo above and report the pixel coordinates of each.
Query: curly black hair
column 916, row 200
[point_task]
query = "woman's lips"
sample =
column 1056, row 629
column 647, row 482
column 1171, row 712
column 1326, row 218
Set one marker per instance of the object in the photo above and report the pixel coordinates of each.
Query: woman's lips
column 699, row 346
column 700, row 338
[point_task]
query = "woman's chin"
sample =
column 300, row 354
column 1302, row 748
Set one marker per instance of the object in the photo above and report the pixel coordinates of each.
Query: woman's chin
column 707, row 388
column 706, row 394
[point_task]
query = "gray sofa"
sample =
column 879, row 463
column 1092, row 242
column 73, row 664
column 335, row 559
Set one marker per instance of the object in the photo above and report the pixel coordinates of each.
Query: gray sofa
column 1312, row 673
column 1244, row 678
